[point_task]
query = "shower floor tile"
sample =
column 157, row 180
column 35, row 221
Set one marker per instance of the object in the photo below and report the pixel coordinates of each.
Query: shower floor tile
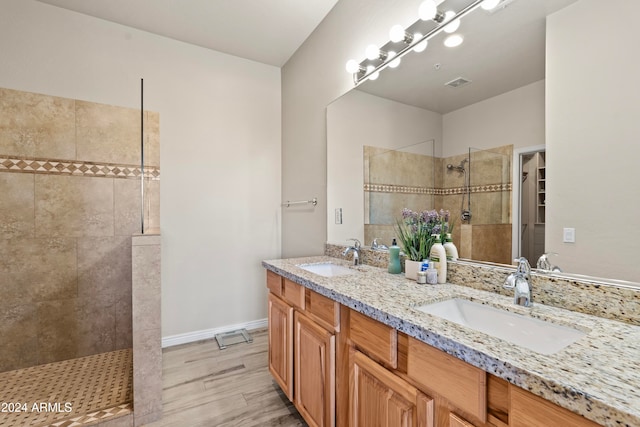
column 74, row 392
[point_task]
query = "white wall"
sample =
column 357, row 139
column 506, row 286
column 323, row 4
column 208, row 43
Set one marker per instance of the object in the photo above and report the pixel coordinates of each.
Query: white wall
column 593, row 129
column 220, row 147
column 515, row 117
column 353, row 121
column 314, row 77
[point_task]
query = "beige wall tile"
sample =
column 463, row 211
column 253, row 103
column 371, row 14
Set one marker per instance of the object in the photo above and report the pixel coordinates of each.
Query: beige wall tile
column 147, row 372
column 18, row 335
column 127, row 208
column 152, row 205
column 17, row 206
column 36, row 125
column 104, row 267
column 95, row 320
column 124, row 322
column 58, row 330
column 73, row 206
column 107, row 133
column 152, row 139
column 146, row 287
column 38, row 269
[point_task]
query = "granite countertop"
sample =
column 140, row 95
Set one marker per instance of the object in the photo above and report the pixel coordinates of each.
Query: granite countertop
column 597, row 376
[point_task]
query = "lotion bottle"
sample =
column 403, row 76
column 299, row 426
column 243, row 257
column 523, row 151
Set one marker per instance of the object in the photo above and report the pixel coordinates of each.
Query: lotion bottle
column 450, row 249
column 394, row 259
column 438, row 258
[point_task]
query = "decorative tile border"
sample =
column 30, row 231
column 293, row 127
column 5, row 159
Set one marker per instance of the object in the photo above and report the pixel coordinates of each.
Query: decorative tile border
column 390, row 188
column 76, row 168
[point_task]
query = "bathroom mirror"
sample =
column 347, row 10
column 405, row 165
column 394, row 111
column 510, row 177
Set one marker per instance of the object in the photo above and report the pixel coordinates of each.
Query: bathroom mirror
column 505, row 106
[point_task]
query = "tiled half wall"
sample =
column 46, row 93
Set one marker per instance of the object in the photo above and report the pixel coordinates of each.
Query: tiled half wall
column 70, row 185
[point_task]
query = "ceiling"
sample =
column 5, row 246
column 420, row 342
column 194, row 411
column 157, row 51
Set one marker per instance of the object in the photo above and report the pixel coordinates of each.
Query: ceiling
column 502, row 51
column 267, row 31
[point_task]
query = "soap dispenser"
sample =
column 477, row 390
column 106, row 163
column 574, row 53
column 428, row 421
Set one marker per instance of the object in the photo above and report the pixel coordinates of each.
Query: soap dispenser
column 394, row 258
column 439, row 259
column 450, row 248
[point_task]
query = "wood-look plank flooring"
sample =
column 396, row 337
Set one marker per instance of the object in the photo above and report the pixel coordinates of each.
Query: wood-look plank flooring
column 204, row 386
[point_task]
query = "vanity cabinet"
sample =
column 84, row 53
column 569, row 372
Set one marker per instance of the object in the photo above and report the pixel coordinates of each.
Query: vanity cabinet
column 380, row 398
column 528, row 410
column 280, row 318
column 314, row 372
column 342, row 368
column 302, row 336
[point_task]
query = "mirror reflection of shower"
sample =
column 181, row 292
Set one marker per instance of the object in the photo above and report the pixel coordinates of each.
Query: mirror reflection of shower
column 465, row 214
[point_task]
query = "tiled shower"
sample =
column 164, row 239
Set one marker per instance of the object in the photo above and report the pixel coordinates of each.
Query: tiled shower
column 418, row 180
column 71, row 201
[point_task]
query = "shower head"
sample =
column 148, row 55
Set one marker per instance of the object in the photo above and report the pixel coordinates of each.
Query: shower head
column 460, row 168
column 456, row 168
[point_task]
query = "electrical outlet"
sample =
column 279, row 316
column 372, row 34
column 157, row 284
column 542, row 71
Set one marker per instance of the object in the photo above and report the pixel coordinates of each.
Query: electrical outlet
column 569, row 235
column 338, row 215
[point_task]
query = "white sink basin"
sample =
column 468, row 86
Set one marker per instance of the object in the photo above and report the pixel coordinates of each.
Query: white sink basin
column 534, row 334
column 327, row 269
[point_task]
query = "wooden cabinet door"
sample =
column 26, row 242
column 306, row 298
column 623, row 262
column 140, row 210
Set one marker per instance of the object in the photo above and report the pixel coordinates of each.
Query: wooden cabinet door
column 379, row 398
column 456, row 421
column 280, row 317
column 314, row 372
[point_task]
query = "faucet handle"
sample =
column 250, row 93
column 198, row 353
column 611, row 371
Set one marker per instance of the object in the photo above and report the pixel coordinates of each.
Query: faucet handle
column 356, row 243
column 523, row 267
column 510, row 281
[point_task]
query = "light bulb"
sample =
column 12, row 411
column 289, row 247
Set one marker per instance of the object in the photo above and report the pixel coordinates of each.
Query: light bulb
column 489, row 4
column 427, row 10
column 394, row 63
column 372, row 52
column 373, row 76
column 453, row 26
column 396, row 33
column 420, row 47
column 352, row 66
column 453, row 40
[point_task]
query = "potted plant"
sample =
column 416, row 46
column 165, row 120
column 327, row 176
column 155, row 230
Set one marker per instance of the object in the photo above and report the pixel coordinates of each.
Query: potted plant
column 415, row 234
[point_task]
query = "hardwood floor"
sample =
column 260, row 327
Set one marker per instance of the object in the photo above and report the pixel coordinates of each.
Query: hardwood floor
column 204, row 386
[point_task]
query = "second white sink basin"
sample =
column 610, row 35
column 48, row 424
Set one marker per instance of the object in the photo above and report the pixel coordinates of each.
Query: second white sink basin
column 537, row 335
column 327, row 269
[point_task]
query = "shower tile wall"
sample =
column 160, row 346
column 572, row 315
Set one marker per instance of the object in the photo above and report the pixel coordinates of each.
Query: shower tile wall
column 70, row 186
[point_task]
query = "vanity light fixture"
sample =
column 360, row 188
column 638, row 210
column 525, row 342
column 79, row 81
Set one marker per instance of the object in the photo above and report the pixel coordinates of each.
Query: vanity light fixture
column 452, row 25
column 394, row 62
column 398, row 34
column 420, row 47
column 428, row 11
column 381, row 58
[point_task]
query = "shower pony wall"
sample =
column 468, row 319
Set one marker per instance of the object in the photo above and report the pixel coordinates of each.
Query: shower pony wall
column 71, row 200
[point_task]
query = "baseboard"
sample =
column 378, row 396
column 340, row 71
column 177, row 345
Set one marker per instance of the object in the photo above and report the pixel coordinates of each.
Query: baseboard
column 206, row 334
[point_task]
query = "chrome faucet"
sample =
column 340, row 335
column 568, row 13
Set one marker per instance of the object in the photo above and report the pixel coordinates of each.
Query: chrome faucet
column 378, row 246
column 519, row 281
column 544, row 263
column 356, row 251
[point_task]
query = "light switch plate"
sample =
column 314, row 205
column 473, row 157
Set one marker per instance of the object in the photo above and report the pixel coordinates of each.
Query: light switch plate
column 569, row 235
column 338, row 215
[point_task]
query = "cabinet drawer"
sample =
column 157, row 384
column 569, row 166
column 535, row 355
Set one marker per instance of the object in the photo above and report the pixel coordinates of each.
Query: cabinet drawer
column 374, row 338
column 459, row 382
column 529, row 410
column 293, row 293
column 324, row 310
column 274, row 283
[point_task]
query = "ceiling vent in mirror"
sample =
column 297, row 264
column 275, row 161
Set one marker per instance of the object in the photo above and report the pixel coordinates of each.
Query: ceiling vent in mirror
column 457, row 82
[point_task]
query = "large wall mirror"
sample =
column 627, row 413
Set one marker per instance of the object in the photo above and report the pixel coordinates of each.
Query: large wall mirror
column 507, row 139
